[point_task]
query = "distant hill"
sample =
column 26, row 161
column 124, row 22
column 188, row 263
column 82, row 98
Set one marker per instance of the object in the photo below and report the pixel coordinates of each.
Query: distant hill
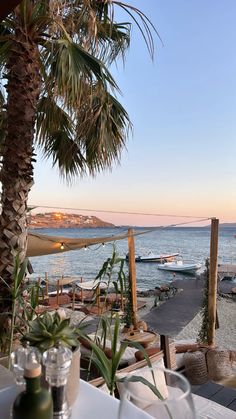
column 64, row 220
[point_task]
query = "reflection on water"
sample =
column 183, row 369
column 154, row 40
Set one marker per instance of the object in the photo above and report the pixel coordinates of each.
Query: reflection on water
column 192, row 243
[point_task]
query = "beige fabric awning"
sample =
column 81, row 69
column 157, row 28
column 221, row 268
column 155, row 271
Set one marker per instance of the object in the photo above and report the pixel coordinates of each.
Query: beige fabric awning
column 64, row 281
column 40, row 244
column 91, row 285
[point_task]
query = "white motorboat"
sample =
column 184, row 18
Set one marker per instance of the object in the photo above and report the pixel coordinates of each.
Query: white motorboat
column 152, row 257
column 179, row 266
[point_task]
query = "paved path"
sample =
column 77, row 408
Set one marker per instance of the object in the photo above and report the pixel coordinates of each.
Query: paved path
column 172, row 316
column 218, row 393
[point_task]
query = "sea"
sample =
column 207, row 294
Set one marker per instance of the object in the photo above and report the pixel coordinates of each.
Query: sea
column 192, row 243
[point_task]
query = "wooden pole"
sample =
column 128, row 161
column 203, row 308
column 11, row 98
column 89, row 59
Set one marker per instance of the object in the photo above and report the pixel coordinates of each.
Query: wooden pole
column 73, row 297
column 58, row 289
column 212, row 290
column 46, row 284
column 82, row 294
column 132, row 276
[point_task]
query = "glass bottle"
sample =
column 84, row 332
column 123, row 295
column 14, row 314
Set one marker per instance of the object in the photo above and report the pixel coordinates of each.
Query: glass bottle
column 34, row 402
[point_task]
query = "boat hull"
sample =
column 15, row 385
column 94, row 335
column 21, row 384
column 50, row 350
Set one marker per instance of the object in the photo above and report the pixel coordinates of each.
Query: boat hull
column 155, row 258
column 174, row 267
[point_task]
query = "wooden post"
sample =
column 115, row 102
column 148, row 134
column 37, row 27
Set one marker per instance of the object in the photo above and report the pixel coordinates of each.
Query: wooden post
column 46, row 284
column 73, row 297
column 165, row 347
column 82, row 294
column 58, row 288
column 132, row 276
column 212, row 290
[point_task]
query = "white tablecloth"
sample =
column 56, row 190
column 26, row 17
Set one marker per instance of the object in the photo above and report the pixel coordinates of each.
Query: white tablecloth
column 93, row 403
column 90, row 404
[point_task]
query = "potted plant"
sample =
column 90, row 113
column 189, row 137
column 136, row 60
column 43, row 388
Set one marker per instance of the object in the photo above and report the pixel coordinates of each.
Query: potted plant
column 49, row 330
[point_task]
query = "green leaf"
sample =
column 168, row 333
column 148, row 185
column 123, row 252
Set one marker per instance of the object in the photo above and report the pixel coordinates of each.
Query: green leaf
column 115, row 335
column 140, row 379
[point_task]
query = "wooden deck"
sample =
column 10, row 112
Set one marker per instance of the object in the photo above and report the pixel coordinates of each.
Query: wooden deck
column 216, row 392
column 172, row 316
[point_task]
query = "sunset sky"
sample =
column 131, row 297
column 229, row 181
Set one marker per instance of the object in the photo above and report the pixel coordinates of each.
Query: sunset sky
column 181, row 156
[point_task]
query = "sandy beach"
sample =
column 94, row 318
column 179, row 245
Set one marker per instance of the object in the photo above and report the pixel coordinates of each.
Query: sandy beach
column 226, row 334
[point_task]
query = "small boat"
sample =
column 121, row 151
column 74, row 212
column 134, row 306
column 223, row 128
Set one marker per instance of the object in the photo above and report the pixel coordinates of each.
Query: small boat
column 179, row 266
column 152, row 257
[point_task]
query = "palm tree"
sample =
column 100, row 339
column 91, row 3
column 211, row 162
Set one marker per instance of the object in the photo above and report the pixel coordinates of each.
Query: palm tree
column 60, row 97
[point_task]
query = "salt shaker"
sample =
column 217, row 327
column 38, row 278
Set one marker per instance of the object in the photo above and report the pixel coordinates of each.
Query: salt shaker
column 20, row 357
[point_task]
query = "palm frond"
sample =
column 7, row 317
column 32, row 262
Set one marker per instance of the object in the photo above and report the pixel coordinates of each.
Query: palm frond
column 56, row 138
column 143, row 23
column 69, row 66
column 95, row 12
column 113, row 40
column 102, row 128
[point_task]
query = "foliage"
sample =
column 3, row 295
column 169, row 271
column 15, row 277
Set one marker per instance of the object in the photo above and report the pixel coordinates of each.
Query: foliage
column 113, row 266
column 34, row 293
column 203, row 332
column 79, row 121
column 25, row 299
column 15, row 291
column 48, row 330
column 112, row 272
column 59, row 97
column 108, row 366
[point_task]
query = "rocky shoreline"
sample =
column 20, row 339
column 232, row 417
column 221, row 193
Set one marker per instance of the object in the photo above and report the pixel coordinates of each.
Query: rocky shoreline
column 161, row 293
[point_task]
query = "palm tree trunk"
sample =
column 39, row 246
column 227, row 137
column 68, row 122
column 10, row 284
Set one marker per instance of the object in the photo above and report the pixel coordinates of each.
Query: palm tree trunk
column 17, row 168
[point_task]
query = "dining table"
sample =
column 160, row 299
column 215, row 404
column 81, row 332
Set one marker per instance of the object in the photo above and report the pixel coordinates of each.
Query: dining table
column 91, row 403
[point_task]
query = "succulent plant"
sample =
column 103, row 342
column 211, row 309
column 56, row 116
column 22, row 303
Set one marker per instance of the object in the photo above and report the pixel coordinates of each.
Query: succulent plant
column 48, row 330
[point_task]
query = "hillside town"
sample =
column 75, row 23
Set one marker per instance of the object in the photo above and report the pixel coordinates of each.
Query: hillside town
column 65, row 220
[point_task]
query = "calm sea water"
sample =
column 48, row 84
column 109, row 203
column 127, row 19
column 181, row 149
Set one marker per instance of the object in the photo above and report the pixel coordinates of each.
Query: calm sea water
column 192, row 243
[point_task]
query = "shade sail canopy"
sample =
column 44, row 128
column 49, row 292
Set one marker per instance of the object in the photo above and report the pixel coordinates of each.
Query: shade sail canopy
column 40, row 244
column 92, row 285
column 64, row 281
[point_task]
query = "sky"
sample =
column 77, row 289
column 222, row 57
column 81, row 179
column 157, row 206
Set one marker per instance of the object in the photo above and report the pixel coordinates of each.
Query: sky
column 180, row 158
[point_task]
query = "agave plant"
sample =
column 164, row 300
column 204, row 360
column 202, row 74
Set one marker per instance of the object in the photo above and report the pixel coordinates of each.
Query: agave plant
column 49, row 330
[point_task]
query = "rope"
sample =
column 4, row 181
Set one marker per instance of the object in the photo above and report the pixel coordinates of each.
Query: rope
column 120, row 212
